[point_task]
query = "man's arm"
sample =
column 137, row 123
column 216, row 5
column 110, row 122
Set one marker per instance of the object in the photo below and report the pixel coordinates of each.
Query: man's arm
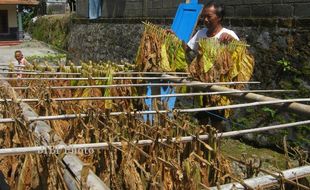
column 228, row 36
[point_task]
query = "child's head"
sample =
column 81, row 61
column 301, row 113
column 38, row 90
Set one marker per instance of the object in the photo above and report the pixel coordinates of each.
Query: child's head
column 18, row 55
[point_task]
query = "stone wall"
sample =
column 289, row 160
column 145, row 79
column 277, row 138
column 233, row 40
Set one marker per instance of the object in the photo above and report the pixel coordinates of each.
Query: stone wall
column 104, row 41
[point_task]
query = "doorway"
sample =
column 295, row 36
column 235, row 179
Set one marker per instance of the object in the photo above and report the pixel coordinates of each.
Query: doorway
column 4, row 28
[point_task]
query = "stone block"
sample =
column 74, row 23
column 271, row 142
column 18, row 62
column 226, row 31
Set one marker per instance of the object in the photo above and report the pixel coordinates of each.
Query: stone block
column 133, row 13
column 229, row 2
column 82, row 8
column 168, row 4
column 229, row 11
column 282, row 10
column 156, row 4
column 243, row 11
column 166, row 12
column 295, row 1
column 134, row 5
column 260, row 2
column 302, row 10
column 261, row 10
column 112, row 9
column 152, row 12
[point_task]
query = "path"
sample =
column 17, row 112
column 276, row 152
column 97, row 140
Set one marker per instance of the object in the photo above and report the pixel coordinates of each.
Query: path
column 29, row 48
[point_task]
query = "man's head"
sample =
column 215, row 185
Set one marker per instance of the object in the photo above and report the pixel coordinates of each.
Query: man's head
column 212, row 14
column 18, row 55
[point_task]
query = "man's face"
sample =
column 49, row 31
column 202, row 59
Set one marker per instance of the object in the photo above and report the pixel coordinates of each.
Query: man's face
column 209, row 17
column 18, row 56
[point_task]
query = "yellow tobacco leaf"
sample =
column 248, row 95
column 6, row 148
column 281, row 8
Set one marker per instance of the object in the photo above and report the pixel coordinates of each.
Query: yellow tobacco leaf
column 164, row 59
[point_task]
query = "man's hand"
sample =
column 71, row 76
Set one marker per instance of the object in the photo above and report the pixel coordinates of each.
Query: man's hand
column 226, row 38
column 170, row 31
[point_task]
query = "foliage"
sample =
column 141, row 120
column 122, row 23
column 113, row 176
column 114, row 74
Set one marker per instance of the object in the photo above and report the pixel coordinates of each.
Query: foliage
column 27, row 16
column 286, row 65
column 182, row 166
column 160, row 51
column 51, row 58
column 269, row 110
column 219, row 62
column 52, row 30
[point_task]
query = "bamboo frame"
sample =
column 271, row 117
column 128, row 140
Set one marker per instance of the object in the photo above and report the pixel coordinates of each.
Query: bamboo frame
column 192, row 110
column 144, row 97
column 71, row 163
column 266, row 171
column 104, row 145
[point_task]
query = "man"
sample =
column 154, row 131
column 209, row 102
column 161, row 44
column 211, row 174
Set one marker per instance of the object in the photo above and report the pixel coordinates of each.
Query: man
column 212, row 16
column 72, row 5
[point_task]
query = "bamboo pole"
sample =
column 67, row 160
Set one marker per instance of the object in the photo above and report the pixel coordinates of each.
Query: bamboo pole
column 40, row 73
column 18, row 71
column 23, row 70
column 268, row 181
column 95, row 78
column 104, row 146
column 7, row 120
column 137, row 85
column 144, row 97
column 192, row 110
column 262, row 129
column 301, row 109
column 7, row 65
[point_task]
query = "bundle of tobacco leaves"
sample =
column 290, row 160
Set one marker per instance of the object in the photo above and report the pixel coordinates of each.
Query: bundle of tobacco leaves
column 24, row 171
column 220, row 62
column 160, row 51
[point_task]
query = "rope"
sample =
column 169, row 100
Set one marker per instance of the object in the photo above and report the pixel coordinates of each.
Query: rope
column 227, row 120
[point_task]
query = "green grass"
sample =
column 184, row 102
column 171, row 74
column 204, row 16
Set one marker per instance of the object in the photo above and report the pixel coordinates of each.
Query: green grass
column 270, row 158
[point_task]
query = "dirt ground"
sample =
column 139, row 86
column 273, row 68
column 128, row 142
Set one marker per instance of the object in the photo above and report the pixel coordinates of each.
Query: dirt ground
column 29, row 48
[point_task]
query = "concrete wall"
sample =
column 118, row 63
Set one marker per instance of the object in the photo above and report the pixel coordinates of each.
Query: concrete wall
column 56, row 8
column 234, row 8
